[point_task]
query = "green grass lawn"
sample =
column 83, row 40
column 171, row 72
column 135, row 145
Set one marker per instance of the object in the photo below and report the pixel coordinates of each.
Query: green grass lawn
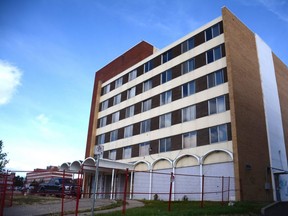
column 183, row 208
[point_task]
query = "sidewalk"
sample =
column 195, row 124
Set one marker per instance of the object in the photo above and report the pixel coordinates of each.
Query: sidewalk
column 69, row 206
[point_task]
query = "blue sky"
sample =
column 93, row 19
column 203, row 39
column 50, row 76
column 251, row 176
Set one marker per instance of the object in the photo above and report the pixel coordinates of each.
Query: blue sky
column 50, row 50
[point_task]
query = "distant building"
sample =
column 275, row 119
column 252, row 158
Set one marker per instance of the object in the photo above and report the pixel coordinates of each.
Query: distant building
column 44, row 175
column 214, row 102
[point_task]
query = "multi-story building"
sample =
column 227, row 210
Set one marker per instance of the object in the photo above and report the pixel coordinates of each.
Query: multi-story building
column 214, row 102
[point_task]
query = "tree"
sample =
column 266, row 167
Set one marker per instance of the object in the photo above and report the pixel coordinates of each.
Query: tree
column 3, row 160
column 18, row 181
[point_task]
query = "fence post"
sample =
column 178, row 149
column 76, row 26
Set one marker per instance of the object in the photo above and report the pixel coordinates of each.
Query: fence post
column 125, row 192
column 228, row 188
column 78, row 193
column 170, row 191
column 222, row 201
column 62, row 194
column 202, row 198
column 4, row 193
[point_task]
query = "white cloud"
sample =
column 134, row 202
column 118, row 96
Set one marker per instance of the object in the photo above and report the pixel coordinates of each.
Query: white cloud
column 10, row 77
column 43, row 119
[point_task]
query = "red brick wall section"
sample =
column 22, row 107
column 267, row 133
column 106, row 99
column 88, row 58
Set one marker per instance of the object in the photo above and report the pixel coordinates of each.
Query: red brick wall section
column 128, row 59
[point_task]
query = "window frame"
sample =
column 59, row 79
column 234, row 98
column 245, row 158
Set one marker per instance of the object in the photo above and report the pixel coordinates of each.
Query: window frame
column 145, row 126
column 128, row 131
column 186, row 45
column 132, row 75
column 218, row 129
column 104, row 105
column 115, row 117
column 191, row 134
column 220, row 101
column 106, row 89
column 144, row 149
column 146, row 104
column 166, row 76
column 147, row 85
column 148, row 66
column 114, row 135
column 124, row 154
column 129, row 111
column 112, row 154
column 167, row 149
column 190, row 91
column 165, row 97
column 188, row 66
column 103, row 121
column 101, row 139
column 164, row 119
column 166, row 56
column 118, row 82
column 186, row 113
column 131, row 92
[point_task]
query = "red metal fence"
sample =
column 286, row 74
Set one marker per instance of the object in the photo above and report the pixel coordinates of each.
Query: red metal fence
column 125, row 184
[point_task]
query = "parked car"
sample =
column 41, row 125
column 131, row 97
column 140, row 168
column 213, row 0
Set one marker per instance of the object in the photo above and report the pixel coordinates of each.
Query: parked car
column 55, row 187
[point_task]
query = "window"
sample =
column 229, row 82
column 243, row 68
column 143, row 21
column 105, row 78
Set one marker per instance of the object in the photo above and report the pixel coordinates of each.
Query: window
column 106, row 89
column 117, row 99
column 113, row 135
column 213, row 54
column 146, row 105
column 166, row 97
column 129, row 111
column 145, row 126
column 188, row 66
column 212, row 32
column 131, row 92
column 132, row 75
column 127, row 152
column 188, row 113
column 128, row 131
column 115, row 116
column 217, row 105
column 104, row 105
column 147, row 85
column 112, row 154
column 144, row 148
column 118, row 82
column 218, row 133
column 215, row 78
column 189, row 139
column 166, row 76
column 148, row 66
column 165, row 145
column 187, row 45
column 103, row 121
column 167, row 56
column 165, row 120
column 101, row 139
column 188, row 89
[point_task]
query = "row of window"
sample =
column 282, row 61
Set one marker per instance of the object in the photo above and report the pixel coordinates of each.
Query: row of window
column 215, row 134
column 213, row 79
column 189, row 44
column 188, row 66
column 210, row 107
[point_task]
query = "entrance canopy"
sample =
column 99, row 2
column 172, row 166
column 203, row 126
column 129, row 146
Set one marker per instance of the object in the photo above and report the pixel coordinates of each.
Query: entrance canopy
column 89, row 165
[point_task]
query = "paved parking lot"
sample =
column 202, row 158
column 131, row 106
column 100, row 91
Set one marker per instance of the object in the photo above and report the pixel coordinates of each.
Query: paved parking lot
column 54, row 207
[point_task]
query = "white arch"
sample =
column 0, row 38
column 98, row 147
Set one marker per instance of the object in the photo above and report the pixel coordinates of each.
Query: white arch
column 162, row 158
column 142, row 161
column 216, row 150
column 89, row 163
column 65, row 166
column 76, row 165
column 184, row 155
